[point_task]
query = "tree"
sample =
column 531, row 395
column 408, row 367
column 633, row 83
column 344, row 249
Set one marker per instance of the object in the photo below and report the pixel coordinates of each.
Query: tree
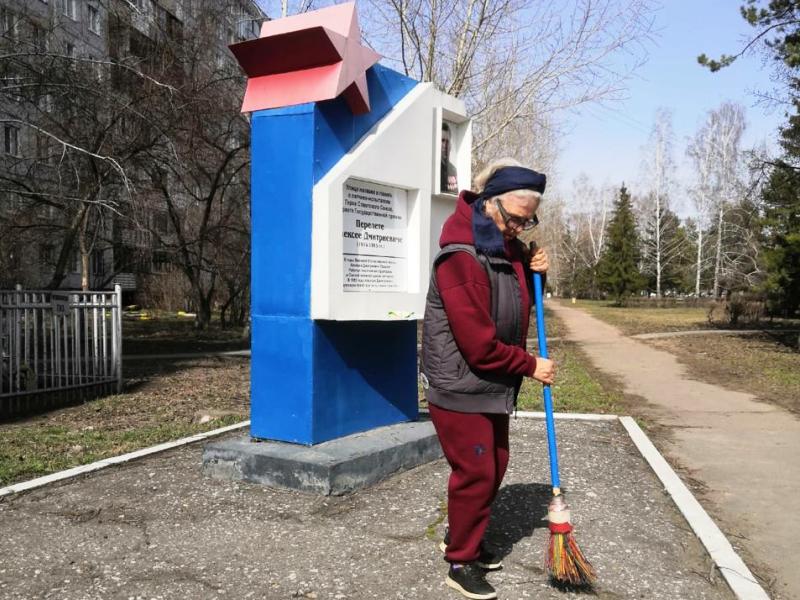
column 777, row 33
column 74, row 133
column 514, row 63
column 673, row 244
column 660, row 247
column 781, row 223
column 143, row 151
column 701, row 150
column 618, row 268
column 588, row 222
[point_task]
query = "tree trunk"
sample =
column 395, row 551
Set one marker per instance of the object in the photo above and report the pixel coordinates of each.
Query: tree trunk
column 84, row 249
column 699, row 261
column 66, row 249
column 658, row 245
column 718, row 258
column 203, row 318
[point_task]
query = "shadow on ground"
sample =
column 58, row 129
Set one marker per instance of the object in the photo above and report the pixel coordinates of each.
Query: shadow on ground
column 518, row 510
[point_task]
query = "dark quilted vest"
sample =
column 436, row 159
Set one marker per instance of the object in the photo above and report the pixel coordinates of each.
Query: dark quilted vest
column 448, row 380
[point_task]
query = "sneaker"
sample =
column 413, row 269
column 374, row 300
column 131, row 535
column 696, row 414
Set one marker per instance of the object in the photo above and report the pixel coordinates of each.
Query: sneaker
column 487, row 559
column 469, row 579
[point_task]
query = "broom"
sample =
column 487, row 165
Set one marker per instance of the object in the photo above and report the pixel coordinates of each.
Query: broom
column 564, row 560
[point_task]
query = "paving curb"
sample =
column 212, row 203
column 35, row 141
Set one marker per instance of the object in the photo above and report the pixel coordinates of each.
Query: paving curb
column 742, row 582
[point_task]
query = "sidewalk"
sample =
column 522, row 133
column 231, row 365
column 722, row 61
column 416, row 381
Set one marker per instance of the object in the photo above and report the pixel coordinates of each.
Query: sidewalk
column 156, row 528
column 745, row 453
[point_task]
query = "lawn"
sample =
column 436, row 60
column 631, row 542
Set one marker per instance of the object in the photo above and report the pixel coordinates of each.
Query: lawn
column 166, row 400
column 578, row 387
column 161, row 402
column 161, row 333
column 766, row 365
column 635, row 320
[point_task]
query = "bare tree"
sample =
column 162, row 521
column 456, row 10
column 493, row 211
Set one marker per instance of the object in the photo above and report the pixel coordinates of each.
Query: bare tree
column 702, row 151
column 514, row 63
column 586, row 224
column 728, row 126
column 76, row 135
column 659, row 248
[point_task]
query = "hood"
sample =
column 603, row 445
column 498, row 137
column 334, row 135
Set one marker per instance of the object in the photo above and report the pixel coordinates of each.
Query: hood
column 457, row 229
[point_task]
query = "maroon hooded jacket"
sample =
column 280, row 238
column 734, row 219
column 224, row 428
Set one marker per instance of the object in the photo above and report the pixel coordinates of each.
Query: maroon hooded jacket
column 466, row 295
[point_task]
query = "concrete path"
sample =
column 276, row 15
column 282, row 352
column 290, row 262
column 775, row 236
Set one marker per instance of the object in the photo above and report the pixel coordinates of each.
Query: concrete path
column 158, row 529
column 745, row 453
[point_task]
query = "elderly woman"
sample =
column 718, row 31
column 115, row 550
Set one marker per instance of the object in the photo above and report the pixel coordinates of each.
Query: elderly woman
column 473, row 353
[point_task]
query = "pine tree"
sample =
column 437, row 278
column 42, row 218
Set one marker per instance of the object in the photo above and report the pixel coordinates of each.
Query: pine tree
column 618, row 269
column 781, row 250
column 778, row 27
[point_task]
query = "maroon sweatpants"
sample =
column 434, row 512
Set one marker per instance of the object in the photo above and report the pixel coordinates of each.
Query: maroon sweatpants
column 476, row 446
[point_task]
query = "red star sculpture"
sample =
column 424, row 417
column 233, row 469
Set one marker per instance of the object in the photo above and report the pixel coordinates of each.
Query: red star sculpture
column 307, row 58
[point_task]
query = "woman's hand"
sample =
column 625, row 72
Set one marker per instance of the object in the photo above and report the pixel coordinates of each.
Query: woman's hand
column 545, row 371
column 539, row 262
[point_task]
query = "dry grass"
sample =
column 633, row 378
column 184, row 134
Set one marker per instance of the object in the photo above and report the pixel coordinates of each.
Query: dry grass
column 161, row 402
column 632, row 321
column 169, row 334
column 766, row 365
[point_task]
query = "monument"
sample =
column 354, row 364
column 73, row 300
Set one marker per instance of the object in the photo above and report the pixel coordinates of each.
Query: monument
column 348, row 199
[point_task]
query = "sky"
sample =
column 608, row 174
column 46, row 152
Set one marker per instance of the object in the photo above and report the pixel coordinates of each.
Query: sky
column 606, row 143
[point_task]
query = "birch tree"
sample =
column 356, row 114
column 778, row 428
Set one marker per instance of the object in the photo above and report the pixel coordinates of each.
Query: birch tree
column 659, row 165
column 701, row 151
column 728, row 124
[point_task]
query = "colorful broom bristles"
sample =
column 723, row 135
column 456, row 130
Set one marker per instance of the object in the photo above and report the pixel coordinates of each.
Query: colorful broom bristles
column 564, row 560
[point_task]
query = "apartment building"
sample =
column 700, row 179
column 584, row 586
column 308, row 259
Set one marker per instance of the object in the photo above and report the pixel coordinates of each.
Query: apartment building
column 55, row 49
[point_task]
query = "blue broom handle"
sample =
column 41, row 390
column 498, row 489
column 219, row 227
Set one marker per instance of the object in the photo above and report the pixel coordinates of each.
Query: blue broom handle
column 548, row 397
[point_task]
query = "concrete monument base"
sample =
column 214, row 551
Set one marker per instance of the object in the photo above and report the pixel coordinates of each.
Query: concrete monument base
column 335, row 467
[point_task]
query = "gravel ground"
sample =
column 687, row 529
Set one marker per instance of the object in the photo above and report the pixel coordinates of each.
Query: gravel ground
column 157, row 528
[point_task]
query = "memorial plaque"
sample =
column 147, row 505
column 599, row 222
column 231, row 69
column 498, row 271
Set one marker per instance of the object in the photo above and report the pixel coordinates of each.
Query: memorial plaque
column 374, row 238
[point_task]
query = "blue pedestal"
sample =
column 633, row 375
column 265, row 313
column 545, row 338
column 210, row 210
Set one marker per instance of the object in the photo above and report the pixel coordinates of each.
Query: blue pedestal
column 313, row 381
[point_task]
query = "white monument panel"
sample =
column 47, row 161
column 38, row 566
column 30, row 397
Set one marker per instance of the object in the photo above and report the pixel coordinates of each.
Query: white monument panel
column 374, row 238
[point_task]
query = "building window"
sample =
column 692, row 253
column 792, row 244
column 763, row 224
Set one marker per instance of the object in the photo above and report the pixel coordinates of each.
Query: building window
column 9, row 24
column 97, row 263
column 39, row 37
column 11, row 140
column 46, row 254
column 46, row 103
column 69, row 8
column 94, row 19
column 69, row 50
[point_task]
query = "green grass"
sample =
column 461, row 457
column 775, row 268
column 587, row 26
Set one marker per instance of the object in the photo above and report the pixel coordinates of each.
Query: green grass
column 28, row 451
column 578, row 387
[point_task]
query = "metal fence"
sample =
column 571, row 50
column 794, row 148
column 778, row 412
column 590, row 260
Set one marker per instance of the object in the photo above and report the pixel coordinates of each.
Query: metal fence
column 58, row 344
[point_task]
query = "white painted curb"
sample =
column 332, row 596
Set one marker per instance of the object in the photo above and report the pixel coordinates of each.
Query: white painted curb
column 741, row 581
column 114, row 460
column 524, row 414
column 567, row 416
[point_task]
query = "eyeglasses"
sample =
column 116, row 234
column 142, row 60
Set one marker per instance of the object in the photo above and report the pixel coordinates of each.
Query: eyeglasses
column 516, row 222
